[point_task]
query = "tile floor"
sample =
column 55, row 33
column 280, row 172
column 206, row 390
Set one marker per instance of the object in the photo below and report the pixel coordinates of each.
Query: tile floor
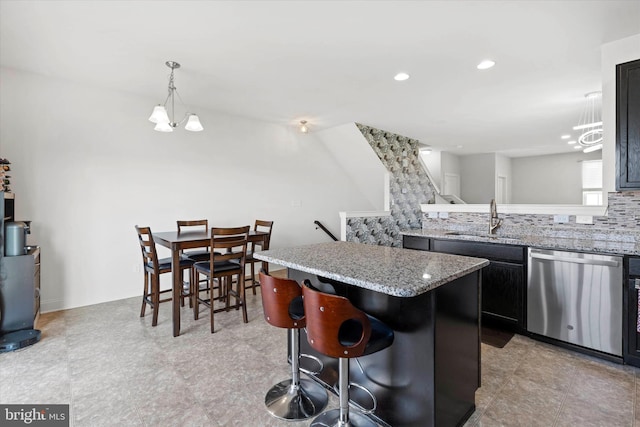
column 114, row 369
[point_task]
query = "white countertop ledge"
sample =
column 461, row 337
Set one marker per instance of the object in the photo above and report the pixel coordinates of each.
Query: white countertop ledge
column 392, row 271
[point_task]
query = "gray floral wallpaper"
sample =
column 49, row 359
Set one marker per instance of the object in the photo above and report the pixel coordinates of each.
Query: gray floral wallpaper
column 409, row 187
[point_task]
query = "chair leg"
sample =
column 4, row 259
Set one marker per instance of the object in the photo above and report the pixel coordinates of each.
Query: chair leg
column 155, row 297
column 211, row 310
column 253, row 278
column 242, row 298
column 145, row 292
column 196, row 300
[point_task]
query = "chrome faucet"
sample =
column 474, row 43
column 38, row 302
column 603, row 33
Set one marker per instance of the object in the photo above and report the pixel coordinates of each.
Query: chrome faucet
column 494, row 221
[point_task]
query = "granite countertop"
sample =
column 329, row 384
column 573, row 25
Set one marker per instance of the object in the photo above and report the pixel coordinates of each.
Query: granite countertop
column 622, row 245
column 392, row 271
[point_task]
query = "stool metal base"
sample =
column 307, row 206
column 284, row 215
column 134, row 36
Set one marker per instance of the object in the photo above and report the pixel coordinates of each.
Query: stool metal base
column 288, row 402
column 332, row 419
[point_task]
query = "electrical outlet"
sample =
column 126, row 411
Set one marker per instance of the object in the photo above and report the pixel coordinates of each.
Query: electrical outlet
column 296, row 203
column 561, row 219
column 433, row 215
column 584, row 219
column 443, row 215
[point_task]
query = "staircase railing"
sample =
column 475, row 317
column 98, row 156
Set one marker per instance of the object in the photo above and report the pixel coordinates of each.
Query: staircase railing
column 323, row 228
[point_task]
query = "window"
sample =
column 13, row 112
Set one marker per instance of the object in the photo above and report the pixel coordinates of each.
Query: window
column 592, row 182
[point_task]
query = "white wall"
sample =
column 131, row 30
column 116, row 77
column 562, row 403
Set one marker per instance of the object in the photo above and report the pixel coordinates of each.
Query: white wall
column 351, row 150
column 87, row 166
column 550, row 179
column 503, row 168
column 478, row 178
column 617, row 52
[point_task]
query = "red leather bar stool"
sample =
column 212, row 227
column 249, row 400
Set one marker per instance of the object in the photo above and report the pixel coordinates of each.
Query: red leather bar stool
column 295, row 398
column 337, row 329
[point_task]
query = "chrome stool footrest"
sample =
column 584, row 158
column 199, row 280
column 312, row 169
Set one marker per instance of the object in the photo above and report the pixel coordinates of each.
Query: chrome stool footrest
column 355, row 404
column 315, row 359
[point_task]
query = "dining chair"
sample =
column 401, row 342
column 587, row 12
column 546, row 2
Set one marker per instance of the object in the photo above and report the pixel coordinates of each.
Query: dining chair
column 196, row 255
column 263, row 245
column 153, row 268
column 228, row 256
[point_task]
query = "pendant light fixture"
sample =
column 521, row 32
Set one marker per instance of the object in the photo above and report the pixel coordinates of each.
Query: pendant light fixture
column 165, row 122
column 591, row 123
column 303, row 126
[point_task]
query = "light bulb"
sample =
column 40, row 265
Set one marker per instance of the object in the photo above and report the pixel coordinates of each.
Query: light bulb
column 303, row 126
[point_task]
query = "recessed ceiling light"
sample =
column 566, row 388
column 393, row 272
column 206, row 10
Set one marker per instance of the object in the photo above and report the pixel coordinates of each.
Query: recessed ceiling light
column 571, row 142
column 486, row 64
column 400, row 77
column 565, row 136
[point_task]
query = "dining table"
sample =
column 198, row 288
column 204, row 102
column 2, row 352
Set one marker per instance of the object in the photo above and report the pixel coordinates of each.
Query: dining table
column 177, row 242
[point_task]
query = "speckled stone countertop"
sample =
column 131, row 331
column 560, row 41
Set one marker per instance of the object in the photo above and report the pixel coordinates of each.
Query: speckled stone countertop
column 621, row 245
column 392, row 271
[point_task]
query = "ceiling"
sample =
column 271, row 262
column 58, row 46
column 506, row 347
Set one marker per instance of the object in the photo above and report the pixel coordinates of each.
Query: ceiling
column 333, row 62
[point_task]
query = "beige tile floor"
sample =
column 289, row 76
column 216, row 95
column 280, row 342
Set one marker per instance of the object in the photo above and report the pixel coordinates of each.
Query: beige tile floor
column 114, row 369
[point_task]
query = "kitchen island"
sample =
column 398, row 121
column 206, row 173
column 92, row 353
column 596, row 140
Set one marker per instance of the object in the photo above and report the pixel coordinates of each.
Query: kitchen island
column 430, row 373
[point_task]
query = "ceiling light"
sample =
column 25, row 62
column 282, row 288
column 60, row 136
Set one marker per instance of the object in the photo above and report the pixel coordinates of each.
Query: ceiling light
column 573, row 141
column 565, row 136
column 303, row 126
column 486, row 64
column 400, row 77
column 595, row 147
column 577, row 147
column 591, row 122
column 160, row 116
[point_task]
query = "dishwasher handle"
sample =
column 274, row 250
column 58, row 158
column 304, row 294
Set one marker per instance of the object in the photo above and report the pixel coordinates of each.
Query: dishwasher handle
column 608, row 263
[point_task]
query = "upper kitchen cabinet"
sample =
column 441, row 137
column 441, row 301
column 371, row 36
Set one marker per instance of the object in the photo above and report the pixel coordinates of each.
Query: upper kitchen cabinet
column 628, row 126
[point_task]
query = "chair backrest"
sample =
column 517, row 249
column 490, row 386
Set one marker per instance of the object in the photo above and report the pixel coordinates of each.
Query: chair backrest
column 265, row 226
column 278, row 295
column 203, row 223
column 229, row 244
column 148, row 247
column 334, row 326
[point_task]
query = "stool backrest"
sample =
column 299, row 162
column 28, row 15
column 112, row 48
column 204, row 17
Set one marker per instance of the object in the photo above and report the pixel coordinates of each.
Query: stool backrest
column 148, row 248
column 278, row 296
column 265, row 226
column 334, row 326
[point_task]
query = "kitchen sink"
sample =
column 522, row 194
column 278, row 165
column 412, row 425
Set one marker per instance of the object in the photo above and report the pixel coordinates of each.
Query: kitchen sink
column 503, row 239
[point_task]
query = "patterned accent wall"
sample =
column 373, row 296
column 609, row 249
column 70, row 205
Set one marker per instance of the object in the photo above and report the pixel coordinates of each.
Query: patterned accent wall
column 409, row 187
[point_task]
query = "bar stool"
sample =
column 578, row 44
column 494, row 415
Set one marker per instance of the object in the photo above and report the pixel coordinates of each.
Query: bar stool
column 337, row 329
column 296, row 398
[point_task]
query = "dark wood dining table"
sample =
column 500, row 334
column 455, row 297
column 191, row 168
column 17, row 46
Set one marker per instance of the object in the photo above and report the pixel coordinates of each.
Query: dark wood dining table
column 177, row 242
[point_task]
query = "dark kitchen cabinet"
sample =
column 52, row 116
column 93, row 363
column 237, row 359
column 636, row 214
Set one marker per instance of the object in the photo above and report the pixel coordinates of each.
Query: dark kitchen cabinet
column 631, row 345
column 503, row 280
column 628, row 126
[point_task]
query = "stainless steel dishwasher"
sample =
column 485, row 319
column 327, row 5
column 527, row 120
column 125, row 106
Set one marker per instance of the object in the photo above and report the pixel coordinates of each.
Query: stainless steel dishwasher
column 576, row 298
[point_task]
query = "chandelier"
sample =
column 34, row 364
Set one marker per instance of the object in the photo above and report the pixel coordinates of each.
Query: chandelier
column 165, row 122
column 590, row 123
